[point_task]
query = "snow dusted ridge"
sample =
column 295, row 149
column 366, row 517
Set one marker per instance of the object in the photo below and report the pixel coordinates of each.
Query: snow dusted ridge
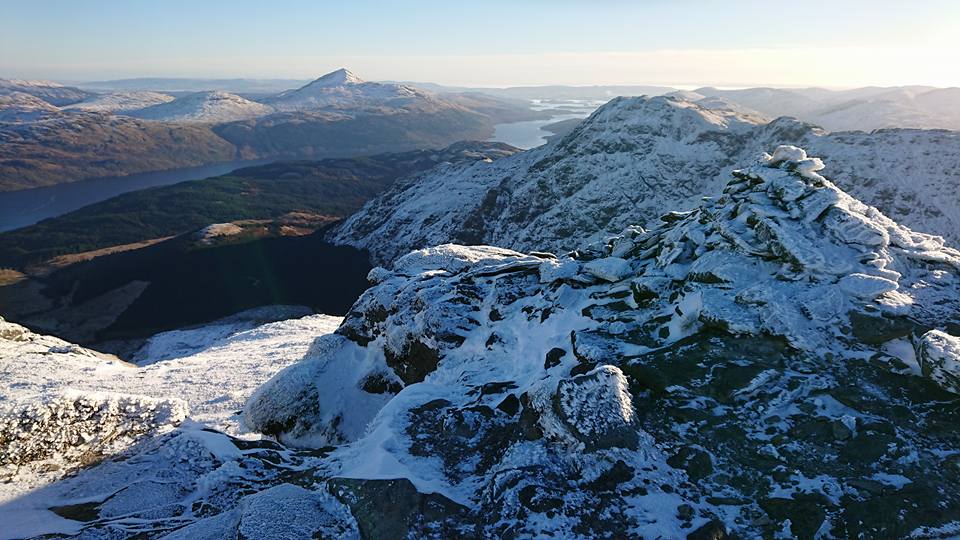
column 749, row 365
column 211, row 107
column 121, row 102
column 633, row 160
column 18, row 107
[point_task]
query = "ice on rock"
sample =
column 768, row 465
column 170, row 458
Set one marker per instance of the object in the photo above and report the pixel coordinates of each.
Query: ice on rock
column 598, row 408
column 939, row 356
column 609, row 268
column 284, row 512
column 866, row 286
column 449, row 257
column 66, row 429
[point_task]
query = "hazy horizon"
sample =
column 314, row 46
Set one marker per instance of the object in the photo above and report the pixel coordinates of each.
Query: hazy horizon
column 499, row 44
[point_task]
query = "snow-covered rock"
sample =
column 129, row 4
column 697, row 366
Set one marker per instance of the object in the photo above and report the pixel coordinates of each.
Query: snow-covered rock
column 53, row 435
column 138, row 443
column 598, row 408
column 939, row 356
column 315, row 514
column 734, row 372
column 213, row 107
column 634, row 160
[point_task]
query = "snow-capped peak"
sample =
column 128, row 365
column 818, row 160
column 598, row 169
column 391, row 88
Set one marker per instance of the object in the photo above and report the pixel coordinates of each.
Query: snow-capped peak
column 339, row 77
column 343, row 89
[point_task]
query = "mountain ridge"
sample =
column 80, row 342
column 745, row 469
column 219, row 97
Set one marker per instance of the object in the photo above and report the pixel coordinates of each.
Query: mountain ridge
column 634, row 159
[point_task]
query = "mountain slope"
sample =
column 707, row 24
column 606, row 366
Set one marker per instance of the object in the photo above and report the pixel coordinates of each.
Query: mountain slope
column 634, row 159
column 78, row 145
column 211, row 107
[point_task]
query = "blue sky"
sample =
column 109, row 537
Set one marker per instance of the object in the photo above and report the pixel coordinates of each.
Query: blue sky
column 831, row 43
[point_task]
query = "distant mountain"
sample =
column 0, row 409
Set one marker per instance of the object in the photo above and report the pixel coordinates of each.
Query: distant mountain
column 342, row 89
column 210, row 107
column 551, row 92
column 51, row 92
column 120, row 102
column 772, row 102
column 632, row 161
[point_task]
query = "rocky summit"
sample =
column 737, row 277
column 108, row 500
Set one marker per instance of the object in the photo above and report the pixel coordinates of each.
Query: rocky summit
column 780, row 361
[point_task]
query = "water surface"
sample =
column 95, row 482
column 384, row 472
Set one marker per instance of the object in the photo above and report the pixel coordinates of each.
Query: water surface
column 530, row 133
column 26, row 207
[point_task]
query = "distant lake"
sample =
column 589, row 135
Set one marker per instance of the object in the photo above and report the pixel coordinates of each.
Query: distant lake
column 530, row 134
column 26, row 207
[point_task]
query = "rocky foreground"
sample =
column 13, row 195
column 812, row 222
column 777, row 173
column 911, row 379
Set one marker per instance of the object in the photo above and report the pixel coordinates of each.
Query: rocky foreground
column 781, row 361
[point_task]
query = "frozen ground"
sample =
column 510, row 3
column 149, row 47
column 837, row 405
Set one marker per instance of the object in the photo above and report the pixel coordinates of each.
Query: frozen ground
column 212, row 369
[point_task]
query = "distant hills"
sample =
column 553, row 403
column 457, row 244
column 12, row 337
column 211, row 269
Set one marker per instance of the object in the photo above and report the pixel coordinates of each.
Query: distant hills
column 211, row 107
column 862, row 109
column 67, row 146
column 53, row 93
column 53, row 133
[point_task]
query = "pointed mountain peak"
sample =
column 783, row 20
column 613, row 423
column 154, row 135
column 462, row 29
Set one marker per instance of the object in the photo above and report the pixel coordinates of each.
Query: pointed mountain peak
column 339, row 77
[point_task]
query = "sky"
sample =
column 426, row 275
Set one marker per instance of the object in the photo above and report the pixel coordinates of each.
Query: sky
column 686, row 43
